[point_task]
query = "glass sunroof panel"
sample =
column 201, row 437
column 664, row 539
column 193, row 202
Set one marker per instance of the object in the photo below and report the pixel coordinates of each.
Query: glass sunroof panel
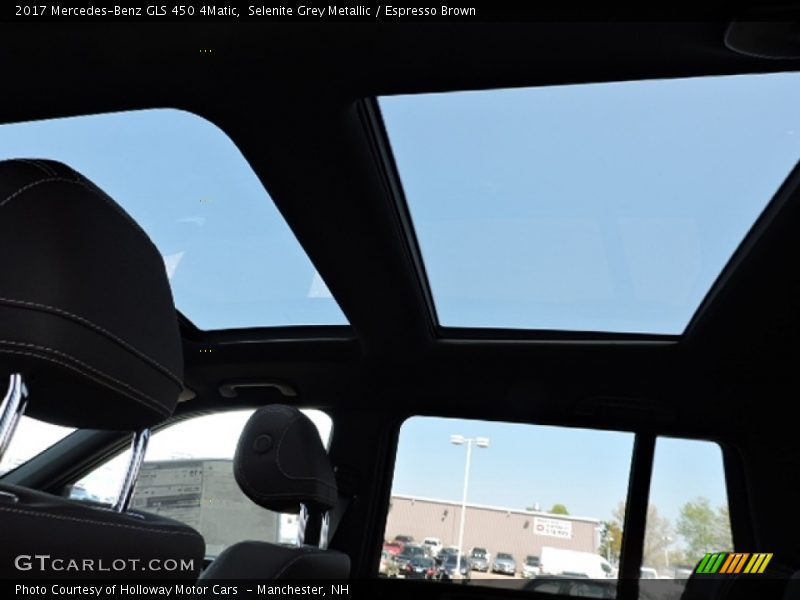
column 232, row 260
column 605, row 207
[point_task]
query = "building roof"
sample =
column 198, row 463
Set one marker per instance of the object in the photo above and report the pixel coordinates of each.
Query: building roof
column 500, row 509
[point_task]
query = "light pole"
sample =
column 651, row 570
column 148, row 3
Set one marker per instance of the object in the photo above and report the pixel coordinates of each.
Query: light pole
column 480, row 442
column 667, row 541
column 609, row 539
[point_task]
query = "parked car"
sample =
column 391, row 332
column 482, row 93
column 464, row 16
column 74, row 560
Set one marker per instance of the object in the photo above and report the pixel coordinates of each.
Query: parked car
column 532, row 567
column 448, row 550
column 393, row 548
column 504, row 563
column 648, row 573
column 420, row 567
column 80, row 493
column 404, row 539
column 559, row 561
column 683, row 572
column 479, row 559
column 448, row 568
column 433, row 544
column 410, row 551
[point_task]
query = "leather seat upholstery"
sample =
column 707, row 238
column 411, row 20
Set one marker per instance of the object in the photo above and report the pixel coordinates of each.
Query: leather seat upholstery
column 280, row 463
column 87, row 318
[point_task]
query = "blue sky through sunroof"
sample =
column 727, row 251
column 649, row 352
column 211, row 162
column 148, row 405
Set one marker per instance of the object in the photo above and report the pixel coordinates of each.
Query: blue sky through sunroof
column 597, row 207
column 232, row 259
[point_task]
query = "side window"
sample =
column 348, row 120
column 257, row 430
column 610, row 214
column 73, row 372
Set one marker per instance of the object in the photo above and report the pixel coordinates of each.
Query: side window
column 504, row 504
column 187, row 475
column 688, row 513
column 31, row 438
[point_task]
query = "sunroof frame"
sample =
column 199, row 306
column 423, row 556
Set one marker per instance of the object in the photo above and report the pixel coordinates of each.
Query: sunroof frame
column 755, row 232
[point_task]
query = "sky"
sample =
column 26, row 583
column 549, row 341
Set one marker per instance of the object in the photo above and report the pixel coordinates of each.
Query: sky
column 607, row 207
column 600, row 207
column 585, row 470
column 231, row 257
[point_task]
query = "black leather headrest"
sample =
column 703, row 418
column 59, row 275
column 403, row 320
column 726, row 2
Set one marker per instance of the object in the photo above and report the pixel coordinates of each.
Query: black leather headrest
column 86, row 312
column 280, row 462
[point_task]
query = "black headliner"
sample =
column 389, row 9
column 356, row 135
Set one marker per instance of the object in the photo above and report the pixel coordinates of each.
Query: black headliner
column 292, row 98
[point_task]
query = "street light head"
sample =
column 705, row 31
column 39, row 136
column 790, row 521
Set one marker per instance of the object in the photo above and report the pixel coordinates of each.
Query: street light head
column 457, row 439
column 482, row 442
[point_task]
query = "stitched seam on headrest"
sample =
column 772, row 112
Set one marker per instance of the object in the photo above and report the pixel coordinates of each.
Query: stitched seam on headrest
column 35, row 163
column 268, row 495
column 248, row 487
column 92, row 522
column 160, row 408
column 99, row 329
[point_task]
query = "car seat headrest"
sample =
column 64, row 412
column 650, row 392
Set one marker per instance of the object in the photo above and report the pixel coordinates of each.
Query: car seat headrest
column 86, row 311
column 280, row 462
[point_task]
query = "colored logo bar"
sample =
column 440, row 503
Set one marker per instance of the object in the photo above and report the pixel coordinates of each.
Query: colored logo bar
column 730, row 563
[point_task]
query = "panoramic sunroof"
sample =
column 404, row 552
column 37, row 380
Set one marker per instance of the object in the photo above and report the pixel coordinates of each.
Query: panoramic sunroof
column 601, row 207
column 232, row 260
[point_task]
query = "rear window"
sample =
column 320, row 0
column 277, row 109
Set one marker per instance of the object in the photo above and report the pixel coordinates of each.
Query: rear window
column 566, row 517
column 510, row 512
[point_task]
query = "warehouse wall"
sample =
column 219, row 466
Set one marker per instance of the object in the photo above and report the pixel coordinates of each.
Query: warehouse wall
column 495, row 529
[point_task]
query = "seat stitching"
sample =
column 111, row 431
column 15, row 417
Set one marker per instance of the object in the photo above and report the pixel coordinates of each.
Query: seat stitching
column 99, row 329
column 147, row 400
column 26, row 187
column 33, row 163
column 45, row 167
column 94, row 522
column 268, row 495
